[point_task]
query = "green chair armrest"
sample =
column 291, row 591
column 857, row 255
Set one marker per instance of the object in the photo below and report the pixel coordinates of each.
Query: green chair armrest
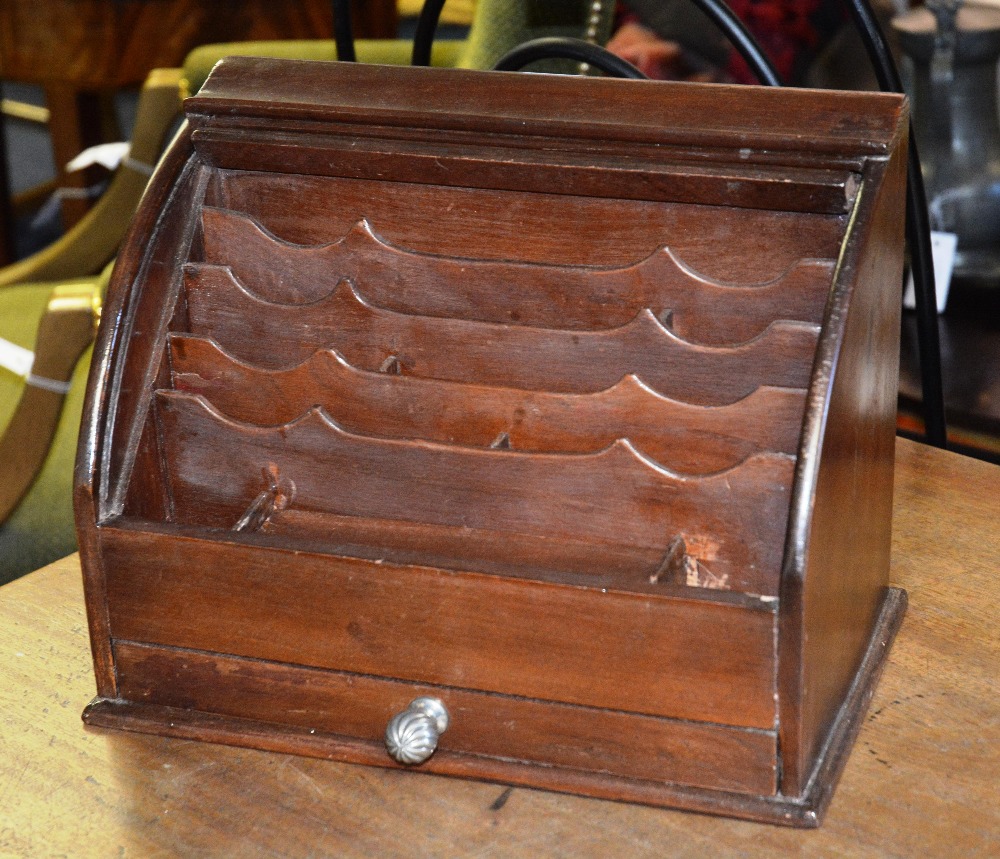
column 394, row 52
column 39, row 426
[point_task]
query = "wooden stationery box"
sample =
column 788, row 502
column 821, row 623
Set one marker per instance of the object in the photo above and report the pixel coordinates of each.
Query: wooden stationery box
column 568, row 403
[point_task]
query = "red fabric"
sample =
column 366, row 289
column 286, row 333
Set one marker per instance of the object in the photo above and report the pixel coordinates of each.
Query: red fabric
column 790, row 32
column 784, row 29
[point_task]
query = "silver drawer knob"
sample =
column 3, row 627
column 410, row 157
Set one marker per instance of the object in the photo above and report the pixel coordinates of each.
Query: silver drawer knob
column 412, row 736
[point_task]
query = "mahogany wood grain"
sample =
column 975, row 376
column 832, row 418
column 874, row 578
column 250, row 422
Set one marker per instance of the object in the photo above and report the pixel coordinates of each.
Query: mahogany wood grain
column 98, row 483
column 450, row 629
column 275, row 336
column 626, row 567
column 805, row 810
column 492, row 224
column 139, row 340
column 732, row 523
column 693, row 307
column 684, row 438
column 466, row 165
column 777, row 127
column 517, row 573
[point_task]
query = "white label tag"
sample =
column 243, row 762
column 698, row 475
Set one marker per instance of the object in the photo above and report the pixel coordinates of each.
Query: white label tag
column 108, row 155
column 943, row 247
column 16, row 358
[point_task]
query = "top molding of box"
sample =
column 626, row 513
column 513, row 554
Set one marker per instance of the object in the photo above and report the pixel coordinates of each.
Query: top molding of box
column 831, row 125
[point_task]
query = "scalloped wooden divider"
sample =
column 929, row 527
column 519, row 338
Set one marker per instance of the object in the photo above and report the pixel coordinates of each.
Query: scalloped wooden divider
column 275, row 335
column 548, row 296
column 680, row 436
column 735, row 518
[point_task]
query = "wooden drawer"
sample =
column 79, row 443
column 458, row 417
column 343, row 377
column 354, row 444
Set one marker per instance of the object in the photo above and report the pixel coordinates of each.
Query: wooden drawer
column 663, row 656
column 483, row 726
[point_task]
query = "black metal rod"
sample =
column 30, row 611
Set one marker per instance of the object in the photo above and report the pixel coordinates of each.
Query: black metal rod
column 918, row 235
column 565, row 48
column 343, row 33
column 732, row 28
column 423, row 38
column 742, row 40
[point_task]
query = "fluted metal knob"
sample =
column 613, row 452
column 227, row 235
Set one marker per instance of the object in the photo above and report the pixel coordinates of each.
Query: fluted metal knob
column 412, row 736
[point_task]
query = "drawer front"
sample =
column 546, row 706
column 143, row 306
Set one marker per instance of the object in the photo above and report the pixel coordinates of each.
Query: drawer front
column 658, row 656
column 481, row 725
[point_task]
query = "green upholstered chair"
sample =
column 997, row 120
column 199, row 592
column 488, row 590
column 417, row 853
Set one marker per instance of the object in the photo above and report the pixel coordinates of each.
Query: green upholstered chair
column 88, row 246
column 40, row 422
column 497, row 26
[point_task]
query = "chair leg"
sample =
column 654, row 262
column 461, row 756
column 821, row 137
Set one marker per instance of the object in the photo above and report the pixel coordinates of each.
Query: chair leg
column 65, row 331
column 77, row 120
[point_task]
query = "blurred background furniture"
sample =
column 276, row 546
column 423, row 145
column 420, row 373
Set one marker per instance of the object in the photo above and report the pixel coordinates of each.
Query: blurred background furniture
column 970, row 362
column 82, row 51
column 952, row 57
column 40, row 299
column 91, row 243
column 948, row 54
column 39, row 528
column 40, row 417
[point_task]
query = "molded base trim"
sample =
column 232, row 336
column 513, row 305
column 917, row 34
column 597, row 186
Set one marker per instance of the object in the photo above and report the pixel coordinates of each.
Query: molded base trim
column 805, row 811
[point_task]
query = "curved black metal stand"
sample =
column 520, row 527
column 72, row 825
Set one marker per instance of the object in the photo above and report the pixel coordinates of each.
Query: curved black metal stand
column 576, row 49
column 343, row 32
column 742, row 40
column 423, row 38
column 565, row 48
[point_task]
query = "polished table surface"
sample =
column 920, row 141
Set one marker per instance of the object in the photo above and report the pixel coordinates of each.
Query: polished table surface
column 923, row 779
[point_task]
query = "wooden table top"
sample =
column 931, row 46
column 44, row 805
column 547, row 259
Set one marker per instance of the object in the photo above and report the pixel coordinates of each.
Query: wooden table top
column 922, row 779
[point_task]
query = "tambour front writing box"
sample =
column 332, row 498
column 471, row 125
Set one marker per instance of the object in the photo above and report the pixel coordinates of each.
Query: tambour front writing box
column 519, row 427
